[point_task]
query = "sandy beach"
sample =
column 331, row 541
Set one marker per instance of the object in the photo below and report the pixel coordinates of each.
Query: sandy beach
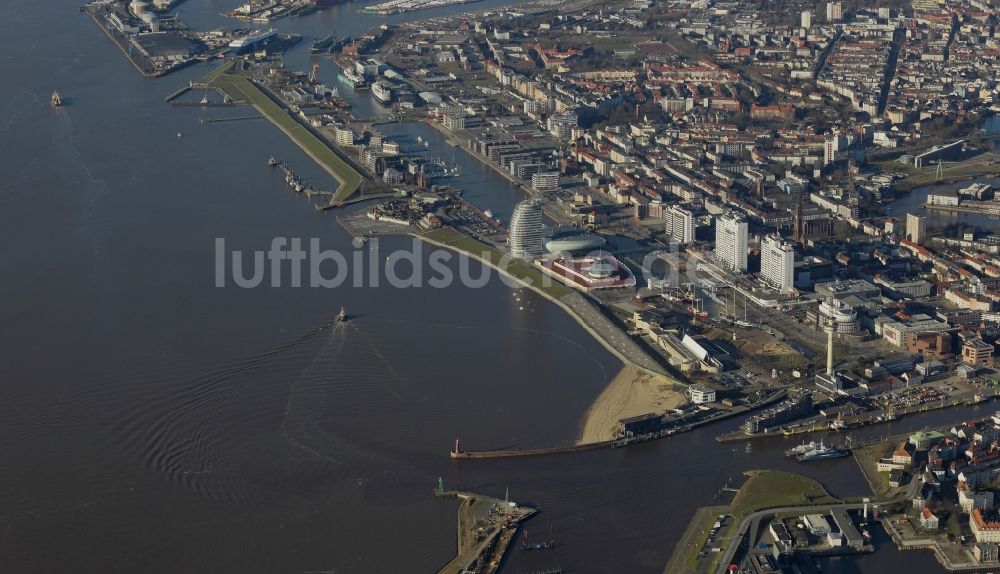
column 632, row 392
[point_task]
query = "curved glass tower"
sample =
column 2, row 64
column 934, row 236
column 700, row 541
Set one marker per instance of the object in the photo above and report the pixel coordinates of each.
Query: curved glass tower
column 526, row 230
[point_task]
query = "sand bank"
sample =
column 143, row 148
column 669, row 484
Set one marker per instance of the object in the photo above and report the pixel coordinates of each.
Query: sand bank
column 632, row 392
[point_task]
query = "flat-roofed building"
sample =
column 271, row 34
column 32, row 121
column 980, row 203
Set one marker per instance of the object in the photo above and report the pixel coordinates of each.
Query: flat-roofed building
column 817, row 524
column 700, row 394
column 916, row 228
column 976, row 351
column 731, row 240
column 777, row 263
column 680, row 224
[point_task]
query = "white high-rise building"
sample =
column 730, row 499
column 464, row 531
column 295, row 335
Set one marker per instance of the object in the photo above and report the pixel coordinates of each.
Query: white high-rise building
column 680, row 224
column 916, row 228
column 834, row 12
column 832, row 144
column 777, row 263
column 731, row 233
column 526, row 230
column 807, row 19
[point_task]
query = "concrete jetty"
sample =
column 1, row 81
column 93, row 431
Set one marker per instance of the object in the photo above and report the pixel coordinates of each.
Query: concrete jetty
column 486, row 527
column 681, row 427
column 461, row 454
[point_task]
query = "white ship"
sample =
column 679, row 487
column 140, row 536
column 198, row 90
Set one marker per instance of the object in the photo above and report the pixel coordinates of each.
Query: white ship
column 382, row 92
column 801, row 449
column 252, row 38
column 352, row 78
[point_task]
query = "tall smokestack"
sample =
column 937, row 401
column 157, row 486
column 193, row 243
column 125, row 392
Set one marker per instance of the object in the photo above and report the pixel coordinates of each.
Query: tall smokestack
column 829, row 349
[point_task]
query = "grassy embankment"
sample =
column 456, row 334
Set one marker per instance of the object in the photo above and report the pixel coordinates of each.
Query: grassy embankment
column 515, row 268
column 239, row 87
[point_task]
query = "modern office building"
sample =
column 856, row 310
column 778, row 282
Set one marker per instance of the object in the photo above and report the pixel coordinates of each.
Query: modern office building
column 731, row 238
column 680, row 224
column 526, row 230
column 546, row 181
column 700, row 394
column 807, row 19
column 777, row 263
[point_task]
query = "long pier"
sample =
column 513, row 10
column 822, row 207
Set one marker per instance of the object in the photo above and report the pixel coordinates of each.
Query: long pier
column 458, row 454
column 463, row 454
column 172, row 98
column 362, row 199
column 221, row 120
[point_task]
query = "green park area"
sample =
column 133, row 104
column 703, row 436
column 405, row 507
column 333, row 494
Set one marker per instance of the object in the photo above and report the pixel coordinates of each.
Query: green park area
column 776, row 488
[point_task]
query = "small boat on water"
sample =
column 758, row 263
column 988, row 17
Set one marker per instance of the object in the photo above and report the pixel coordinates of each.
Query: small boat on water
column 56, row 100
column 342, row 316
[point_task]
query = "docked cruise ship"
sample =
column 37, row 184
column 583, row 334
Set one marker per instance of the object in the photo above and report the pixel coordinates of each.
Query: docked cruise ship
column 382, row 91
column 252, row 39
column 352, row 78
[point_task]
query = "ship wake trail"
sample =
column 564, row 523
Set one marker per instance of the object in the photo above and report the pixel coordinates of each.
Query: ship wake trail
column 307, row 399
column 203, row 432
column 348, row 379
